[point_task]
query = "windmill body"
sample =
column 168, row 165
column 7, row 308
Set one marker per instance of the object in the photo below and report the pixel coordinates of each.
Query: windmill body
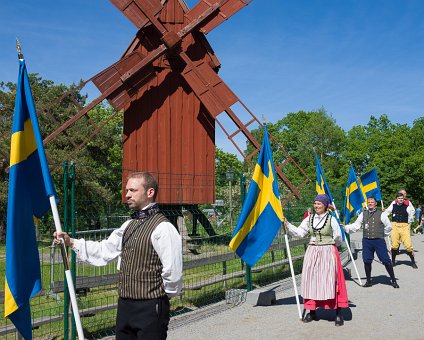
column 167, row 131
column 167, row 84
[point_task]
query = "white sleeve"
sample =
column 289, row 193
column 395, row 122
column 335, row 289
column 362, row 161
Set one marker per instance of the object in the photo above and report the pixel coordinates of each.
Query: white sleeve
column 355, row 226
column 411, row 213
column 388, row 210
column 300, row 231
column 99, row 253
column 387, row 224
column 337, row 233
column 167, row 243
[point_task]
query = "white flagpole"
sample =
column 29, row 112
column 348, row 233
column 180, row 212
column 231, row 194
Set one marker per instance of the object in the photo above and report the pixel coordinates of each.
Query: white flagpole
column 71, row 287
column 389, row 244
column 296, row 294
column 348, row 248
column 59, row 229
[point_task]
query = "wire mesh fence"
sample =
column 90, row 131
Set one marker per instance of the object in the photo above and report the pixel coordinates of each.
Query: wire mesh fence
column 91, row 206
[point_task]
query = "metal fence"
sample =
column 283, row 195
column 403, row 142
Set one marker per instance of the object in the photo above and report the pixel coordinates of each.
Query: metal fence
column 210, row 268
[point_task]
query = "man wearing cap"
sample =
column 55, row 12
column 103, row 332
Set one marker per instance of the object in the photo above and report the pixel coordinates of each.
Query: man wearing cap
column 323, row 284
column 375, row 225
column 402, row 215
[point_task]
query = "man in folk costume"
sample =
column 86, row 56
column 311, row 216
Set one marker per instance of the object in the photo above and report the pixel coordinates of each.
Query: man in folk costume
column 323, row 284
column 150, row 250
column 375, row 226
column 402, row 216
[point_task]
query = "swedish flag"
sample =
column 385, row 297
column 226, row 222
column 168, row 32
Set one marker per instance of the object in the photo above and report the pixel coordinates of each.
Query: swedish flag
column 261, row 215
column 30, row 186
column 353, row 196
column 370, row 185
column 321, row 186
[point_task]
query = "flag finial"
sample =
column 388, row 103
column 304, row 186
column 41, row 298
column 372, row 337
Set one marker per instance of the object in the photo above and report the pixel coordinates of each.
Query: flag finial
column 19, row 50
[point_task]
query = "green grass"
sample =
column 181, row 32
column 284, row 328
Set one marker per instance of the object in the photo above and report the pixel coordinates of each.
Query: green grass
column 102, row 323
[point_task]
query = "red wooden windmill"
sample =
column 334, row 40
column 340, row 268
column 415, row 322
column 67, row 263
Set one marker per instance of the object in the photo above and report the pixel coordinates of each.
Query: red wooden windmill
column 167, row 84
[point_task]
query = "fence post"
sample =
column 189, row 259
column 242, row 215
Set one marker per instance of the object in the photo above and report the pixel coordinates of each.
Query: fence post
column 289, row 212
column 243, row 197
column 73, row 257
column 65, row 229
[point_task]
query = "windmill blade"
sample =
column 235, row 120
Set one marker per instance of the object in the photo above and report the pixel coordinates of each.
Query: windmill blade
column 163, row 51
column 130, row 71
column 117, row 83
column 214, row 94
column 141, row 12
column 127, row 76
column 138, row 11
column 225, row 9
column 135, row 69
column 217, row 97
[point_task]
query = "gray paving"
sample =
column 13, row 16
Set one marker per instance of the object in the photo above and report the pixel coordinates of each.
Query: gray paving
column 378, row 312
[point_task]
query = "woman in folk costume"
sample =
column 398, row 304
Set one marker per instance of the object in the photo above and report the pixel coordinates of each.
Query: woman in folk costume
column 323, row 284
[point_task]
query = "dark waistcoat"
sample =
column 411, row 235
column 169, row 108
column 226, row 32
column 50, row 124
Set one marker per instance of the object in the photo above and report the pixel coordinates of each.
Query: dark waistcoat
column 399, row 213
column 373, row 227
column 140, row 274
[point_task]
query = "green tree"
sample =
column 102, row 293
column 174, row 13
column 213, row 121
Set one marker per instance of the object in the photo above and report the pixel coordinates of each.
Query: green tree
column 302, row 134
column 224, row 162
column 396, row 151
column 414, row 163
column 101, row 153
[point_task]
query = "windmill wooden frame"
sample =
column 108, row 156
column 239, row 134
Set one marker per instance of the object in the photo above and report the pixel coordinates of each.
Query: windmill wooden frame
column 167, row 84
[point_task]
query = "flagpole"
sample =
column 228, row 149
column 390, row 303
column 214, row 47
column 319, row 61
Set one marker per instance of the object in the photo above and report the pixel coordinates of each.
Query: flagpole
column 56, row 219
column 348, row 247
column 389, row 244
column 68, row 274
column 296, row 294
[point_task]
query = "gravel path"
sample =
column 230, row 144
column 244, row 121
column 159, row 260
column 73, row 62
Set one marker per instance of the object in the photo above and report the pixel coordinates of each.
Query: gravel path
column 378, row 312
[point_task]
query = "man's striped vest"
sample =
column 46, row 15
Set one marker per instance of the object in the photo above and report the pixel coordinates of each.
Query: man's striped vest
column 140, row 274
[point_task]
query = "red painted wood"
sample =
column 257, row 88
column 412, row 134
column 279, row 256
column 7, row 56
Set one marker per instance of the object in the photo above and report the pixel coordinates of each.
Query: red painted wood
column 171, row 95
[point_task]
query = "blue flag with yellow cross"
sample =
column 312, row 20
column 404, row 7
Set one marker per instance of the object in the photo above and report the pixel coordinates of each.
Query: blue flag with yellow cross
column 30, row 187
column 353, row 196
column 370, row 185
column 321, row 185
column 321, row 188
column 261, row 215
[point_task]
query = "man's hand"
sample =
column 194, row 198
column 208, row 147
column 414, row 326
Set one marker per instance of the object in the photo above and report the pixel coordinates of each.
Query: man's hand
column 60, row 235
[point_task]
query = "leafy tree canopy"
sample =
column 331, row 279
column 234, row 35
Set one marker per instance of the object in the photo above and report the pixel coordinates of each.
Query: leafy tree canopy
column 396, row 150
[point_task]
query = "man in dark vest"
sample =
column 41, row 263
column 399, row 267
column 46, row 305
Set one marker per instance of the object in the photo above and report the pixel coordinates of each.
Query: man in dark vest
column 150, row 263
column 375, row 226
column 403, row 214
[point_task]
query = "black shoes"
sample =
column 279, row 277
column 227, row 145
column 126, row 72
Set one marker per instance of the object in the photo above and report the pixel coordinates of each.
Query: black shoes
column 339, row 320
column 394, row 253
column 367, row 284
column 412, row 257
column 311, row 316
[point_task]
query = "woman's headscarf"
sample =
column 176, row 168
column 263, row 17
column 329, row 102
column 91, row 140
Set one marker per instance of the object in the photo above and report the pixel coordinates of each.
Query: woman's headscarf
column 324, row 199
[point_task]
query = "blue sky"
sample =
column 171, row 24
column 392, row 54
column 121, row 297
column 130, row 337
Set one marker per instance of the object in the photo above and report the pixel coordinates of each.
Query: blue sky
column 355, row 58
